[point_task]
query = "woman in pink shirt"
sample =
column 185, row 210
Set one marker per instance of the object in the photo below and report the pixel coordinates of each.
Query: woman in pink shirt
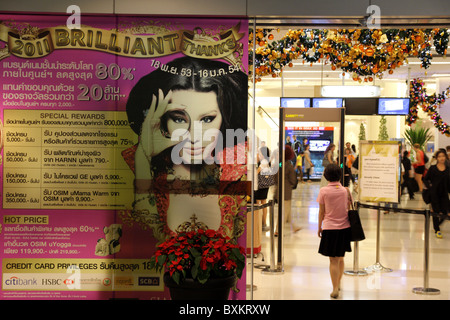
column 334, row 226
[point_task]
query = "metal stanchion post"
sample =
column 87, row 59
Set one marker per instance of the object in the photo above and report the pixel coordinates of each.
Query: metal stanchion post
column 355, row 271
column 271, row 269
column 425, row 289
column 378, row 267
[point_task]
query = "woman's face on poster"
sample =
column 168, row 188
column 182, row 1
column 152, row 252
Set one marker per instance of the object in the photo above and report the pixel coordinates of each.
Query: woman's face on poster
column 193, row 114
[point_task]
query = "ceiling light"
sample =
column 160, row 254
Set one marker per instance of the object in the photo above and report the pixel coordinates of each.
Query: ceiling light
column 345, row 76
column 350, row 91
column 434, row 62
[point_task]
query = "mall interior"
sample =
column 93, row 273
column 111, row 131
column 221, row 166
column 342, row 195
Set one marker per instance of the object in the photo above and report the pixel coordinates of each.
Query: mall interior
column 398, row 254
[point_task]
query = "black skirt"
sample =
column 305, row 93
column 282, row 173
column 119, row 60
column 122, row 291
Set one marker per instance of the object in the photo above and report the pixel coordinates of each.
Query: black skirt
column 419, row 169
column 334, row 243
column 261, row 194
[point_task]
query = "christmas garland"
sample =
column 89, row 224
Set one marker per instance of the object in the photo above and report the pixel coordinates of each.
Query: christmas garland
column 429, row 104
column 365, row 53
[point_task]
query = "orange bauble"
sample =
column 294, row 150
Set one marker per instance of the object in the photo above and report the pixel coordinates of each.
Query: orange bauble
column 369, row 52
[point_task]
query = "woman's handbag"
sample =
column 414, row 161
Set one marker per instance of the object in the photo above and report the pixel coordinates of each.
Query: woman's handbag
column 356, row 228
column 265, row 180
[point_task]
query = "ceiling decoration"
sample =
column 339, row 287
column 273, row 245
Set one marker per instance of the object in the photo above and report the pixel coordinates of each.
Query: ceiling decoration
column 363, row 53
column 430, row 105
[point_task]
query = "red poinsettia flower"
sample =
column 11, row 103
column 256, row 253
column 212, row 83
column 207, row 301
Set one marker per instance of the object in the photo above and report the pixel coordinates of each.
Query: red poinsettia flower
column 200, row 255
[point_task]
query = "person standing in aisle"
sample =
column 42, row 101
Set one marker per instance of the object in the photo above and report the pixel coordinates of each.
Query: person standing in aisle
column 308, row 162
column 299, row 167
column 349, row 159
column 407, row 175
column 334, row 225
column 262, row 192
column 353, row 174
column 437, row 180
column 353, row 150
column 290, row 183
column 328, row 158
column 419, row 166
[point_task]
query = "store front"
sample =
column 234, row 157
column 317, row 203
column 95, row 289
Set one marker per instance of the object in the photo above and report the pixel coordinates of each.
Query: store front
column 294, row 71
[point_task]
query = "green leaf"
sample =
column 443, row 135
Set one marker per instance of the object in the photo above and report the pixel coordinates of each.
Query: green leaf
column 239, row 256
column 176, row 277
column 195, row 267
column 161, row 259
column 203, row 277
column 195, row 253
column 152, row 264
column 172, row 257
column 418, row 135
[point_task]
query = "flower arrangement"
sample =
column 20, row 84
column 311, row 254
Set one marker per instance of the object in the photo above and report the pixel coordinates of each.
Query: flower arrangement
column 200, row 255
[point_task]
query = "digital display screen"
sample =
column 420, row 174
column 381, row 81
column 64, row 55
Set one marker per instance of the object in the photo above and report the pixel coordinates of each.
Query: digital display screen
column 361, row 106
column 295, row 102
column 318, row 145
column 327, row 103
column 393, row 106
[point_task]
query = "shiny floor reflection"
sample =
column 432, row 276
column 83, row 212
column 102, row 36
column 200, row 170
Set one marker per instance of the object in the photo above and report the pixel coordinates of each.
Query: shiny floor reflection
column 306, row 274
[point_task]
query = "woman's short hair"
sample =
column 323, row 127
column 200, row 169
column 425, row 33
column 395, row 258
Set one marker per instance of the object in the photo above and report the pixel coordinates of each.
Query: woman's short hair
column 333, row 173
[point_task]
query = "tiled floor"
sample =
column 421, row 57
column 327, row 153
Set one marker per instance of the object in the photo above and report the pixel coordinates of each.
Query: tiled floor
column 306, row 274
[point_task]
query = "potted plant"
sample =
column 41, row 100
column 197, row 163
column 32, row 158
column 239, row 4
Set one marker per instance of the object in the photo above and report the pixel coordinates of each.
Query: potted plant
column 418, row 135
column 201, row 264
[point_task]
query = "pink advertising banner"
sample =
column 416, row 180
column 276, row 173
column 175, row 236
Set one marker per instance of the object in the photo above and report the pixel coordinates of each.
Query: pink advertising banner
column 90, row 184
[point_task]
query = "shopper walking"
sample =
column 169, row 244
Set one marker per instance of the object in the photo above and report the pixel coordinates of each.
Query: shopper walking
column 290, row 182
column 334, row 226
column 328, row 158
column 264, row 169
column 407, row 176
column 308, row 163
column 299, row 166
column 349, row 158
column 438, row 181
column 419, row 165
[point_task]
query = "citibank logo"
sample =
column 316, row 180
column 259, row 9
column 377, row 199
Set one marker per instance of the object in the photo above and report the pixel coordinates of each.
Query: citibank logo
column 15, row 281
